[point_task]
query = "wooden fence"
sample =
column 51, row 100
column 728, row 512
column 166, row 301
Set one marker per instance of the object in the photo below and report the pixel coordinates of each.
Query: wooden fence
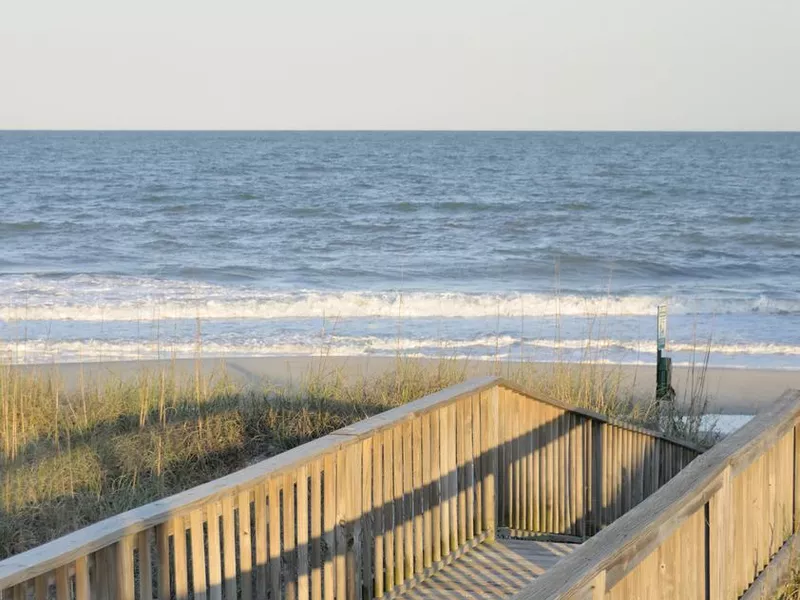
column 369, row 510
column 706, row 535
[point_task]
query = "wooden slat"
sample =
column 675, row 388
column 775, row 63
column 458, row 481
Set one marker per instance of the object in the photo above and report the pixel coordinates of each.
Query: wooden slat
column 388, row 511
column 490, row 466
column 523, row 432
column 274, row 497
column 444, row 479
column 425, row 456
column 460, row 426
column 199, row 584
column 229, row 547
column 355, row 559
column 408, row 502
column 303, row 588
column 82, row 583
column 515, row 446
column 452, row 475
column 469, row 472
column 123, row 571
column 214, row 553
column 245, row 545
column 537, row 436
column 477, row 462
column 378, row 512
column 40, row 587
column 399, row 516
column 62, row 579
column 145, row 566
column 366, row 515
column 162, row 547
column 416, row 447
column 436, row 488
column 721, row 541
column 260, row 533
column 316, row 530
column 342, row 506
column 289, row 538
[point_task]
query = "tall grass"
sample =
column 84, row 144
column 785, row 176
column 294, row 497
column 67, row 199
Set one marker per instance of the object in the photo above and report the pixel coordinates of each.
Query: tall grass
column 72, row 457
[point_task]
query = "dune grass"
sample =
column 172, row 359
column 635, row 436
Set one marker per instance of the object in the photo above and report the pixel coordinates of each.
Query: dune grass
column 70, row 459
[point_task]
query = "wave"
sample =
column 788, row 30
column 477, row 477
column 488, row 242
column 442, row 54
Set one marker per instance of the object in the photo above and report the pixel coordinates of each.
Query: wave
column 481, row 348
column 119, row 298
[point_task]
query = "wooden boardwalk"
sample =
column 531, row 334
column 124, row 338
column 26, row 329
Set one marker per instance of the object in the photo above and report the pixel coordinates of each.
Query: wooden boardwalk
column 492, row 570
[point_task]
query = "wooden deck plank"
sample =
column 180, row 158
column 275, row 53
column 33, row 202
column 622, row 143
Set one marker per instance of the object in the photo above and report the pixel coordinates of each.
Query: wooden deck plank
column 492, row 570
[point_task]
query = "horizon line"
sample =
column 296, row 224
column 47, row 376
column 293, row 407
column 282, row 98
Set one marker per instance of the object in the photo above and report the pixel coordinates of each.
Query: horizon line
column 390, row 130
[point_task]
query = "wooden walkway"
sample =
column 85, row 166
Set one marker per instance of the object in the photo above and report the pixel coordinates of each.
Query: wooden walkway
column 492, row 570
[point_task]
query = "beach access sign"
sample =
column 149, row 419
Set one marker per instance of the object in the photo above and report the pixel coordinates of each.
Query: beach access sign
column 662, row 326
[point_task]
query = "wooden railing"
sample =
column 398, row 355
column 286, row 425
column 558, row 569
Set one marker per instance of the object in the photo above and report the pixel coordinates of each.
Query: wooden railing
column 369, row 510
column 706, row 535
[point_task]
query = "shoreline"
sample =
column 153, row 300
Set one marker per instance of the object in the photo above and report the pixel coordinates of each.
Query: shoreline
column 731, row 390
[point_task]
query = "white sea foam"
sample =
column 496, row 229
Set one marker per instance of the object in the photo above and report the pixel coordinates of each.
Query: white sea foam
column 482, row 348
column 89, row 298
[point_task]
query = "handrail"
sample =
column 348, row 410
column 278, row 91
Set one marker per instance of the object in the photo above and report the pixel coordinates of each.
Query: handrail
column 474, row 475
column 48, row 556
column 700, row 503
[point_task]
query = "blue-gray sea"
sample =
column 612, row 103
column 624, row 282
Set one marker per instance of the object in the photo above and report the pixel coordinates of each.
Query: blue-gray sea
column 508, row 245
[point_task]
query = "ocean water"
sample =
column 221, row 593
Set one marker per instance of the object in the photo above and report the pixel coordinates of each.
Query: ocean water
column 515, row 245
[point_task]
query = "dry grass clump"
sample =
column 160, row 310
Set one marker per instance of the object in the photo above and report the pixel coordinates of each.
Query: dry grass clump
column 70, row 459
column 791, row 589
column 67, row 460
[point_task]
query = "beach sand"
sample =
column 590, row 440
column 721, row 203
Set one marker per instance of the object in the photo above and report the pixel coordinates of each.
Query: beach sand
column 733, row 391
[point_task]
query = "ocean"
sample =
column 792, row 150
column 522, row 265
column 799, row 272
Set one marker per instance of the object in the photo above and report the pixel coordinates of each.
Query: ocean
column 510, row 246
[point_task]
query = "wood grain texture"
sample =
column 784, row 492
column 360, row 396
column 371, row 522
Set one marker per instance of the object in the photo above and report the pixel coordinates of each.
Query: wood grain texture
column 678, row 512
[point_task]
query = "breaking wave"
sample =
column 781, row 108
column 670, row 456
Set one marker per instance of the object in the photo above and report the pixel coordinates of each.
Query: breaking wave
column 91, row 298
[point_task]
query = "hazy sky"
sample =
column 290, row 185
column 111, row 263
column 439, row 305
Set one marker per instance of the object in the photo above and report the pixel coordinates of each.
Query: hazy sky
column 409, row 64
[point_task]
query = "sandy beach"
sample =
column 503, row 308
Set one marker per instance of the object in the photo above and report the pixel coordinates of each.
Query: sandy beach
column 733, row 391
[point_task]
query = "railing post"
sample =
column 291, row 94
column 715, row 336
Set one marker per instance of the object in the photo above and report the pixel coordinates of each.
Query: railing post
column 599, row 586
column 720, row 551
column 490, row 472
column 796, row 475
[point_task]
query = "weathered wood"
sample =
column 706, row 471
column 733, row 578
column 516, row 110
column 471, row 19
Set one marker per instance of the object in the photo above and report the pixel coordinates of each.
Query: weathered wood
column 316, row 530
column 477, row 461
column 245, row 545
column 399, row 515
column 229, row 547
column 416, row 450
column 328, row 525
column 408, row 502
column 302, row 527
column 145, row 567
column 162, row 547
column 671, row 522
column 453, row 474
column 62, row 582
column 469, row 470
column 262, row 558
column 274, row 508
column 181, row 566
column 388, row 511
column 289, row 538
column 378, row 518
column 123, row 571
column 461, row 520
column 82, row 583
column 198, row 555
column 444, row 486
column 214, row 554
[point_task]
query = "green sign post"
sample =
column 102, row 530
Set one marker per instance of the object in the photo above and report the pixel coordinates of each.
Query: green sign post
column 663, row 364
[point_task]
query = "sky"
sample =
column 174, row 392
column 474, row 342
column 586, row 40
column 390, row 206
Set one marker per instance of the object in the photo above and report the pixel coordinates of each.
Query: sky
column 411, row 64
